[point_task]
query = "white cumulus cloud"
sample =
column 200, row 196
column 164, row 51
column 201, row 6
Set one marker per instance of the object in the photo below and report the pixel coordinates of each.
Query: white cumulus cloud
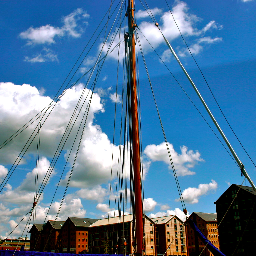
column 47, row 34
column 198, row 46
column 25, row 192
column 3, row 172
column 143, row 14
column 149, row 204
column 103, row 207
column 192, row 195
column 97, row 193
column 164, row 207
column 47, row 55
column 186, row 21
column 116, row 98
column 178, row 212
column 182, row 162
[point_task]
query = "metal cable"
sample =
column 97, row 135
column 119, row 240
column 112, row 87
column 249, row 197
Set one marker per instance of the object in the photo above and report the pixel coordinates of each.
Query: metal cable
column 176, row 80
column 56, row 97
column 51, row 168
column 28, row 144
column 163, row 131
column 209, row 87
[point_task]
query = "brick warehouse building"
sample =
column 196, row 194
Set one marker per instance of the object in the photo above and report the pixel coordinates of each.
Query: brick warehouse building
column 114, row 235
column 207, row 223
column 50, row 235
column 74, row 235
column 170, row 235
column 44, row 237
column 35, row 237
column 236, row 209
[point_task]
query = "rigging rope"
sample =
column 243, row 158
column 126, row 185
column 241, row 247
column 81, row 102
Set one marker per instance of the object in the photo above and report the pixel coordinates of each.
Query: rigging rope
column 97, row 62
column 56, row 97
column 163, row 131
column 86, row 112
column 238, row 161
column 191, row 54
column 182, row 88
column 31, row 138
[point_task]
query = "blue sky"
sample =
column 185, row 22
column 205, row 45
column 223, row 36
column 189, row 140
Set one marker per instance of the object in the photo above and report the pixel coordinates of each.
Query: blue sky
column 40, row 43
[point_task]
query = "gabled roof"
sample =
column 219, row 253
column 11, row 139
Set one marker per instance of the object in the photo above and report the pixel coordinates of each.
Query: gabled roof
column 243, row 188
column 82, row 222
column 39, row 227
column 162, row 220
column 114, row 220
column 248, row 189
column 165, row 219
column 208, row 217
column 56, row 224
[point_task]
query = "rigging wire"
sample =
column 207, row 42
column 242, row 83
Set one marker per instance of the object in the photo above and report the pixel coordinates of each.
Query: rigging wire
column 31, row 138
column 93, row 88
column 176, row 80
column 56, row 97
column 152, row 17
column 47, row 176
column 36, row 174
column 88, row 107
column 238, row 161
column 200, row 70
column 164, row 134
column 240, row 164
column 115, row 105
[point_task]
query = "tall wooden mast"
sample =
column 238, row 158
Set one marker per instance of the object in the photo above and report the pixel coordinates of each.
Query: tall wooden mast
column 135, row 132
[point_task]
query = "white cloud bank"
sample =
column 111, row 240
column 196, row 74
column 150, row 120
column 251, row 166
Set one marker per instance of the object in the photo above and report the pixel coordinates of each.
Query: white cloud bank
column 192, row 195
column 182, row 162
column 97, row 193
column 47, row 55
column 143, row 14
column 25, row 192
column 94, row 161
column 149, row 205
column 47, row 34
column 186, row 21
column 178, row 212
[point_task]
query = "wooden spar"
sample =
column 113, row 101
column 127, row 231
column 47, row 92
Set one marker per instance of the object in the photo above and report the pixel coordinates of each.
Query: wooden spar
column 135, row 132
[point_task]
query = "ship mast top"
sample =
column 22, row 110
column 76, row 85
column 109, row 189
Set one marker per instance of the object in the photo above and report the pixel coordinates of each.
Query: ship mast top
column 135, row 131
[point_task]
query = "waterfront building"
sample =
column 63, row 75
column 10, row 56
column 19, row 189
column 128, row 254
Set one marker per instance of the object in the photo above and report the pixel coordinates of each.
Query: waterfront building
column 207, row 224
column 115, row 236
column 75, row 235
column 170, row 236
column 36, row 237
column 236, row 209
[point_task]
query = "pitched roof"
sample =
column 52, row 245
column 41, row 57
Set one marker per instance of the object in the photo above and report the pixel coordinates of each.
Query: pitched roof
column 114, row 220
column 210, row 217
column 248, row 189
column 56, row 224
column 82, row 222
column 39, row 227
column 165, row 219
column 162, row 220
column 244, row 188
